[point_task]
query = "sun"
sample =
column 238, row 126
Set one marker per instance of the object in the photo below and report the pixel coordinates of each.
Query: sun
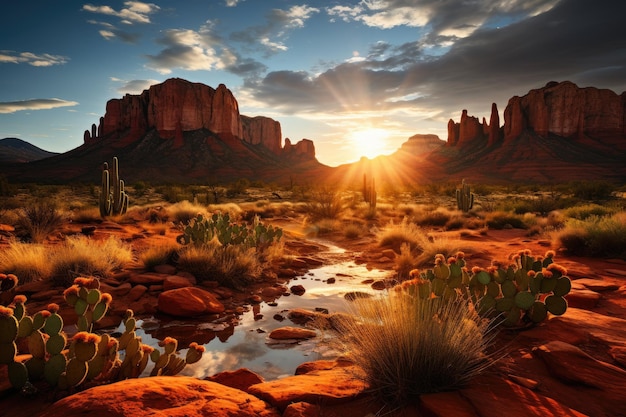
column 369, row 142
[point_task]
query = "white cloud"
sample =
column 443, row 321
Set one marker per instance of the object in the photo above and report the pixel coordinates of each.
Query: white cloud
column 43, row 60
column 132, row 12
column 35, row 104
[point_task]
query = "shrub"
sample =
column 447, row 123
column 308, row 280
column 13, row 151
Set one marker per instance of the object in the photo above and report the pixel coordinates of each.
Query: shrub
column 81, row 255
column 353, row 231
column 184, row 211
column 583, row 212
column 592, row 190
column 409, row 346
column 38, row 221
column 162, row 254
column 433, row 218
column 86, row 215
column 595, row 236
column 394, row 235
column 231, row 266
column 502, row 220
column 326, row 202
column 30, row 262
column 405, row 262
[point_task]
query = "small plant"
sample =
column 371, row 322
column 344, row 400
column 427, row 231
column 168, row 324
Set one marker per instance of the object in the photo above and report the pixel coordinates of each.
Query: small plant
column 38, row 221
column 113, row 198
column 394, row 235
column 325, row 202
column 464, row 198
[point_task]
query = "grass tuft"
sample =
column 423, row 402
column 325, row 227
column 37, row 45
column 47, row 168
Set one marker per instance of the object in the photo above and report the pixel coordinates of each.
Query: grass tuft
column 409, row 346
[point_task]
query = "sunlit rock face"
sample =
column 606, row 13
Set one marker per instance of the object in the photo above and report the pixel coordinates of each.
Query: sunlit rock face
column 177, row 106
column 565, row 110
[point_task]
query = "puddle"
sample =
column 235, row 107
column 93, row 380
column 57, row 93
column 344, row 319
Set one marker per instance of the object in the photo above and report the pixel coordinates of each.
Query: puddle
column 247, row 345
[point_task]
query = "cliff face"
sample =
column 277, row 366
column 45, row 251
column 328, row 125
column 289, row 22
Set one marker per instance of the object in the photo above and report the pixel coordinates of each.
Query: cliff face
column 565, row 110
column 556, row 132
column 177, row 106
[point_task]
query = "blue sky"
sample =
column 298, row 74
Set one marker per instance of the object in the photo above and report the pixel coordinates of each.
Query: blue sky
column 356, row 77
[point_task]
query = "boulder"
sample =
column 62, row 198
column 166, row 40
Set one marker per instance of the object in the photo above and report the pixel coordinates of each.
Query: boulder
column 288, row 332
column 161, row 396
column 188, row 302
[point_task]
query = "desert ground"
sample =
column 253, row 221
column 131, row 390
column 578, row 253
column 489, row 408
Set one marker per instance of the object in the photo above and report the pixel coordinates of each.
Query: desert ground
column 572, row 364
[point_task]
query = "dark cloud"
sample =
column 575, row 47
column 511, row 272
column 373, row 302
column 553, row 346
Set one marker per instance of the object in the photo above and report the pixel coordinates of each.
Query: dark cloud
column 577, row 40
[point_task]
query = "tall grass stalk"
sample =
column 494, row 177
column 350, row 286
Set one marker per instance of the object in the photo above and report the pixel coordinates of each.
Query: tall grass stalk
column 409, row 346
column 30, row 262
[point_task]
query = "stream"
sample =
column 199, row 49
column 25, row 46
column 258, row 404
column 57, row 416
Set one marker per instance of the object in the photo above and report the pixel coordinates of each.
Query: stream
column 247, row 345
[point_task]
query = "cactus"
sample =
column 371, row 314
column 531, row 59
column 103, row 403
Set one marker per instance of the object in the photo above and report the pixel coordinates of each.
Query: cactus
column 112, row 202
column 521, row 294
column 464, row 197
column 369, row 192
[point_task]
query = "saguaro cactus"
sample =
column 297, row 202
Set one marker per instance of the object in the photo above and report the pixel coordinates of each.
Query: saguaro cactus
column 113, row 198
column 369, row 192
column 464, row 197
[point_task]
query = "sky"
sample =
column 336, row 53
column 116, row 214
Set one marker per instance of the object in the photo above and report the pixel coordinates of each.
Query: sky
column 356, row 77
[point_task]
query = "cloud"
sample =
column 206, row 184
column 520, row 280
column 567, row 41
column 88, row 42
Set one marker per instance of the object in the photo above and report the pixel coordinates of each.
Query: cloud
column 271, row 36
column 133, row 86
column 34, row 104
column 110, row 32
column 492, row 64
column 43, row 60
column 132, row 12
column 201, row 50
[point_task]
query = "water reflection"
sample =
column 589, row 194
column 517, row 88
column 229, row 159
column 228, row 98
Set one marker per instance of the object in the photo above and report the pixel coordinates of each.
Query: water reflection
column 244, row 343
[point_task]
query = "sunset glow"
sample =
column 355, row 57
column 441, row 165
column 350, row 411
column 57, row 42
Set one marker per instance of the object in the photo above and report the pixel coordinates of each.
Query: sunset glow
column 369, row 142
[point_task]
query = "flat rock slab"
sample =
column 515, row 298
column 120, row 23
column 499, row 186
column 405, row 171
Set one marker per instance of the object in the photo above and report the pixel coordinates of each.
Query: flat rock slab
column 597, row 284
column 288, row 332
column 188, row 302
column 318, row 387
column 162, row 396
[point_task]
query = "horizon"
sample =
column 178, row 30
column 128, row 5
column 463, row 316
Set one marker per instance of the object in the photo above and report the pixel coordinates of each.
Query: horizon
column 398, row 71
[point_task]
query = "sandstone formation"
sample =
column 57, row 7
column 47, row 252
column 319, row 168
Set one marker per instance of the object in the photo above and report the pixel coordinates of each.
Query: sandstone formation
column 177, row 106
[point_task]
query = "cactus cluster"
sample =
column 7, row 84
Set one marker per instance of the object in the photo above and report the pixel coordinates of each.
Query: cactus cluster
column 201, row 230
column 113, row 197
column 65, row 362
column 464, row 198
column 369, row 192
column 521, row 294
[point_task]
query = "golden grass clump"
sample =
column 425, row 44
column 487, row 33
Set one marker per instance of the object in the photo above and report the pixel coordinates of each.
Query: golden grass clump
column 39, row 220
column 183, row 211
column 81, row 255
column 394, row 235
column 230, row 266
column 28, row 261
column 410, row 346
column 161, row 254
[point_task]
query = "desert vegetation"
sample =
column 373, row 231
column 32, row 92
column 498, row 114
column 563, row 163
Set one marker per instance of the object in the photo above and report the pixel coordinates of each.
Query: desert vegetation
column 431, row 330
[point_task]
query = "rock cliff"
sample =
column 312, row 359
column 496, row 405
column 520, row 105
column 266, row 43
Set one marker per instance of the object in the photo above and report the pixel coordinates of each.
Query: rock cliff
column 177, row 106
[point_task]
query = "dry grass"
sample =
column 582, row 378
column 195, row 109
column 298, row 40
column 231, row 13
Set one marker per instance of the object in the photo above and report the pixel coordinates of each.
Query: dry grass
column 408, row 346
column 38, row 221
column 86, row 215
column 81, row 255
column 30, row 262
column 230, row 266
column 161, row 254
column 394, row 235
column 184, row 211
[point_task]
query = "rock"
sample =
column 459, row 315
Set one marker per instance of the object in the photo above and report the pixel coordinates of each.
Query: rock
column 585, row 299
column 288, row 332
column 147, row 278
column 163, row 396
column 176, row 281
column 303, row 150
column 165, row 269
column 302, row 409
column 297, row 289
column 240, row 379
column 188, row 302
column 597, row 284
column 137, row 292
column 318, row 387
column 123, row 289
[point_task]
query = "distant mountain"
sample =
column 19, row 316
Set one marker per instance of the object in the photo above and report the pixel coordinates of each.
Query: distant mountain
column 179, row 132
column 14, row 150
column 183, row 132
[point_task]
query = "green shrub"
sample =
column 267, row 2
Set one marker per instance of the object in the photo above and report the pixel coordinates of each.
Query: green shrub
column 595, row 236
column 592, row 190
column 583, row 212
column 502, row 220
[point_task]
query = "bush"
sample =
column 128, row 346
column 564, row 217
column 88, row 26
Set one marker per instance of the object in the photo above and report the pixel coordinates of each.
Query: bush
column 231, row 266
column 503, row 220
column 592, row 190
column 81, row 255
column 30, row 262
column 596, row 236
column 326, row 203
column 394, row 236
column 184, row 211
column 162, row 254
column 38, row 221
column 410, row 346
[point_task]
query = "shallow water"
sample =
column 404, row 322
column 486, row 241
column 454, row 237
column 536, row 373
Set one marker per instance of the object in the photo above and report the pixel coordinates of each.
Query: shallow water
column 247, row 345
